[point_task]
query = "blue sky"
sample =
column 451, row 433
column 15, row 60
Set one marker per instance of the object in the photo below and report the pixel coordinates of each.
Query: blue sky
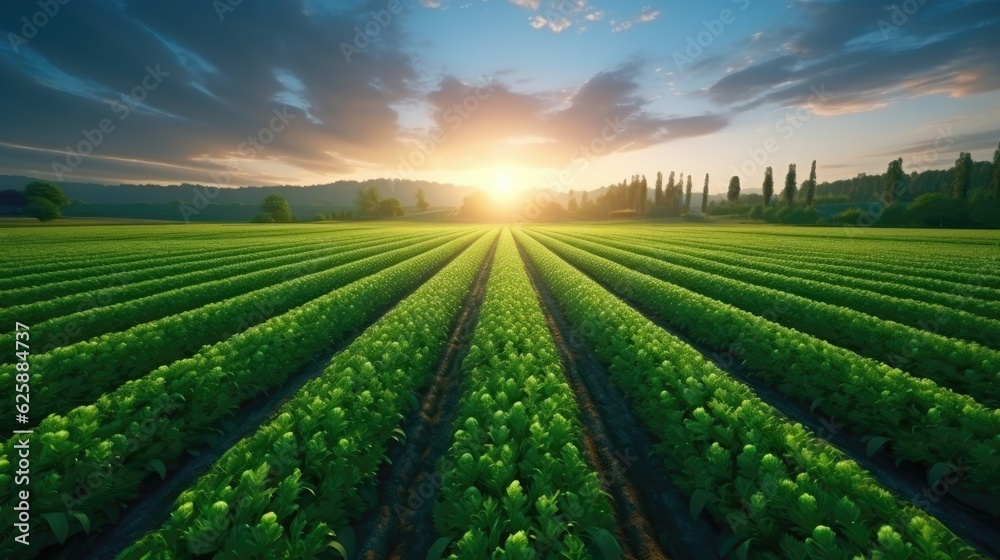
column 494, row 93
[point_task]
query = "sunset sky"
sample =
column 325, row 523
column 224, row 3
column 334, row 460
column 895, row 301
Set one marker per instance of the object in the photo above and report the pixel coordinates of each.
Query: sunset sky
column 499, row 94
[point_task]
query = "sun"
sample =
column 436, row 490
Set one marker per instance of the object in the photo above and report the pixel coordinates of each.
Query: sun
column 504, row 184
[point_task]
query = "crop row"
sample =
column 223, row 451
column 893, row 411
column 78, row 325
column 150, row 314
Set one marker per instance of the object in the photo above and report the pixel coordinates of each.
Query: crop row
column 880, row 258
column 97, row 456
column 782, row 491
column 112, row 258
column 144, row 280
column 916, row 418
column 860, row 272
column 965, row 367
column 279, row 492
column 79, row 373
column 515, row 477
column 959, row 298
column 937, row 318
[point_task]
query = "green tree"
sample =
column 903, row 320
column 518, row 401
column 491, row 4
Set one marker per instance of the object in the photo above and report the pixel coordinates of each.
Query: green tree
column 734, row 189
column 768, row 186
column 48, row 191
column 277, row 207
column 658, row 193
column 704, row 196
column 790, row 186
column 811, row 186
column 367, row 201
column 890, row 183
column 390, row 207
column 41, row 208
column 962, row 177
column 422, row 203
column 995, row 183
column 687, row 198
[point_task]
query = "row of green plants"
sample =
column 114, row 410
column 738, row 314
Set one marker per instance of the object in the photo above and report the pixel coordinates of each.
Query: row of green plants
column 962, row 366
column 58, row 295
column 856, row 268
column 77, row 374
column 120, row 254
column 292, row 488
column 780, row 490
column 516, row 482
column 915, row 419
column 88, row 462
column 122, row 288
column 879, row 255
column 949, row 322
column 953, row 299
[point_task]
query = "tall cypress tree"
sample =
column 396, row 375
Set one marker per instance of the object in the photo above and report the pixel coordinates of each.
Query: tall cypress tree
column 962, row 178
column 790, row 185
column 893, row 176
column 811, row 187
column 995, row 183
column 768, row 186
column 704, row 196
column 658, row 194
column 687, row 199
column 734, row 189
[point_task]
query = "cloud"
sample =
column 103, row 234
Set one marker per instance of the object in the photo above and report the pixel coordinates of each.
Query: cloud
column 484, row 123
column 867, row 56
column 530, row 4
column 646, row 15
column 557, row 25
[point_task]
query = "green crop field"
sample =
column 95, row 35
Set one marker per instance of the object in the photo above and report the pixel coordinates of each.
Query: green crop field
column 418, row 390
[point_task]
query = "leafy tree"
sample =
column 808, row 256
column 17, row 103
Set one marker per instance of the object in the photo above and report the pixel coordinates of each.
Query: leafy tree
column 962, row 178
column 768, row 186
column 687, row 199
column 704, row 196
column 422, row 203
column 734, row 189
column 658, row 193
column 790, row 185
column 811, row 186
column 368, row 201
column 48, row 191
column 893, row 176
column 41, row 208
column 262, row 218
column 277, row 207
column 390, row 207
column 643, row 194
column 995, row 183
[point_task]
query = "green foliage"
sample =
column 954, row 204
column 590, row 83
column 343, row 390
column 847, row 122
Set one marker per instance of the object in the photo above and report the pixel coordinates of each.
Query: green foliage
column 262, row 218
column 772, row 484
column 892, row 183
column 756, row 213
column 768, row 185
column 518, row 417
column 390, row 208
column 47, row 191
column 733, row 194
column 422, row 203
column 788, row 194
column 42, row 209
column 962, row 176
column 277, row 208
column 995, row 180
column 810, row 185
column 309, row 463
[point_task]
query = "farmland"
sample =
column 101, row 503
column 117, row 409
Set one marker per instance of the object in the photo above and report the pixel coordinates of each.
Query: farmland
column 419, row 390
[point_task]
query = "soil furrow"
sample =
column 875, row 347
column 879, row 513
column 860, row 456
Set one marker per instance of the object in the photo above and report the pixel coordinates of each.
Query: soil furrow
column 401, row 526
column 652, row 516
